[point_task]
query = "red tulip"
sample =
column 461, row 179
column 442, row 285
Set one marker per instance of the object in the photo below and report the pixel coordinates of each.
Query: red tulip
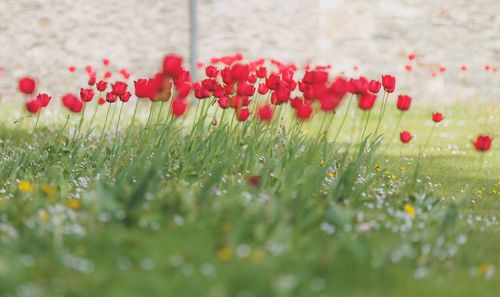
column 144, row 88
column 408, row 68
column 71, row 68
column 442, row 69
column 339, row 87
column 366, row 101
column 101, row 101
column 405, row 136
column 482, row 143
column 463, row 68
column 437, row 117
column 101, row 86
column 261, row 72
column 125, row 97
column 107, row 74
column 72, row 102
column 243, row 114
column 44, row 99
column 105, row 62
column 172, row 66
column 374, row 86
column 178, row 107
column 110, row 97
column 265, row 113
column 272, row 82
column 304, row 112
column 211, row 71
column 240, row 72
column 33, row 106
column 263, row 89
column 389, row 83
column 224, row 102
column 86, row 94
column 411, row 57
column 404, row 102
column 92, row 79
column 27, row 85
column 119, row 88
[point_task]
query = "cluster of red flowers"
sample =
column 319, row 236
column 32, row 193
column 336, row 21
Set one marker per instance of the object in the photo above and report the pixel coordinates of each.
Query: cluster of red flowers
column 232, row 84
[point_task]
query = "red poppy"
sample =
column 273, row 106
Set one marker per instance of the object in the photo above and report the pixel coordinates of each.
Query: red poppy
column 482, row 143
column 44, row 99
column 119, row 88
column 265, row 113
column 405, row 136
column 437, row 117
column 178, row 107
column 33, row 106
column 367, row 101
column 86, row 94
column 404, row 102
column 389, row 83
column 27, row 85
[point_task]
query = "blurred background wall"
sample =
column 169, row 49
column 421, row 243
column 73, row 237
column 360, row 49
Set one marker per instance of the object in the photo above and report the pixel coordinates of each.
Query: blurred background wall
column 43, row 37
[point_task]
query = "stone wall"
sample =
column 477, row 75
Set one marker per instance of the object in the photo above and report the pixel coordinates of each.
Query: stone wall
column 43, row 37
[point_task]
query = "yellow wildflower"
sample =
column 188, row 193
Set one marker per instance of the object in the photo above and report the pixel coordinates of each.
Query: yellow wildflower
column 485, row 268
column 25, row 186
column 378, row 169
column 225, row 254
column 48, row 190
column 74, row 204
column 410, row 210
column 331, row 174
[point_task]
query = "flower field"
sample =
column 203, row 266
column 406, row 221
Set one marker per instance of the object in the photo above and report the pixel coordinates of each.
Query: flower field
column 258, row 178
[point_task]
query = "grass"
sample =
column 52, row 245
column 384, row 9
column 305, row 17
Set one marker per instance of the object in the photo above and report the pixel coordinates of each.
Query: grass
column 162, row 211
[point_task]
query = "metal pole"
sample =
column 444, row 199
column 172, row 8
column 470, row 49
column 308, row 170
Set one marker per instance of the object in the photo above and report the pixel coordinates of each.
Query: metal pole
column 192, row 38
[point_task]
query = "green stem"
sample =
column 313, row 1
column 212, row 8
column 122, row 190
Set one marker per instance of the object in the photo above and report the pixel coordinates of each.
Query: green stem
column 343, row 120
column 118, row 124
column 366, row 125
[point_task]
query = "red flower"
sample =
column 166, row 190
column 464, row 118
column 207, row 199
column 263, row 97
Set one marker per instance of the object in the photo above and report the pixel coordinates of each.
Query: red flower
column 254, row 180
column 366, row 101
column 27, row 85
column 107, row 74
column 119, row 88
column 33, row 106
column 330, row 103
column 405, row 136
column 374, row 86
column 71, row 68
column 339, row 87
column 463, row 68
column 252, row 78
column 389, row 83
column 304, row 112
column 44, row 99
column 263, row 89
column 404, row 102
column 226, row 76
column 486, row 67
column 482, row 143
column 442, row 69
column 411, row 57
column 105, row 62
column 92, row 79
column 240, row 72
column 110, row 97
column 178, row 107
column 86, row 95
column 224, row 102
column 101, row 101
column 125, row 97
column 172, row 66
column 437, row 117
column 211, row 71
column 273, row 81
column 265, row 113
column 200, row 92
column 72, row 102
column 144, row 88
column 243, row 114
column 261, row 72
column 408, row 68
column 101, row 86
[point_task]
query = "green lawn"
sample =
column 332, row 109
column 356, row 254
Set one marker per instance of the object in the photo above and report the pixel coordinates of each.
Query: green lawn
column 169, row 211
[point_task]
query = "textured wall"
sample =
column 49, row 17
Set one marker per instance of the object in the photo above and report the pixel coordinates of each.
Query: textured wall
column 43, row 37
